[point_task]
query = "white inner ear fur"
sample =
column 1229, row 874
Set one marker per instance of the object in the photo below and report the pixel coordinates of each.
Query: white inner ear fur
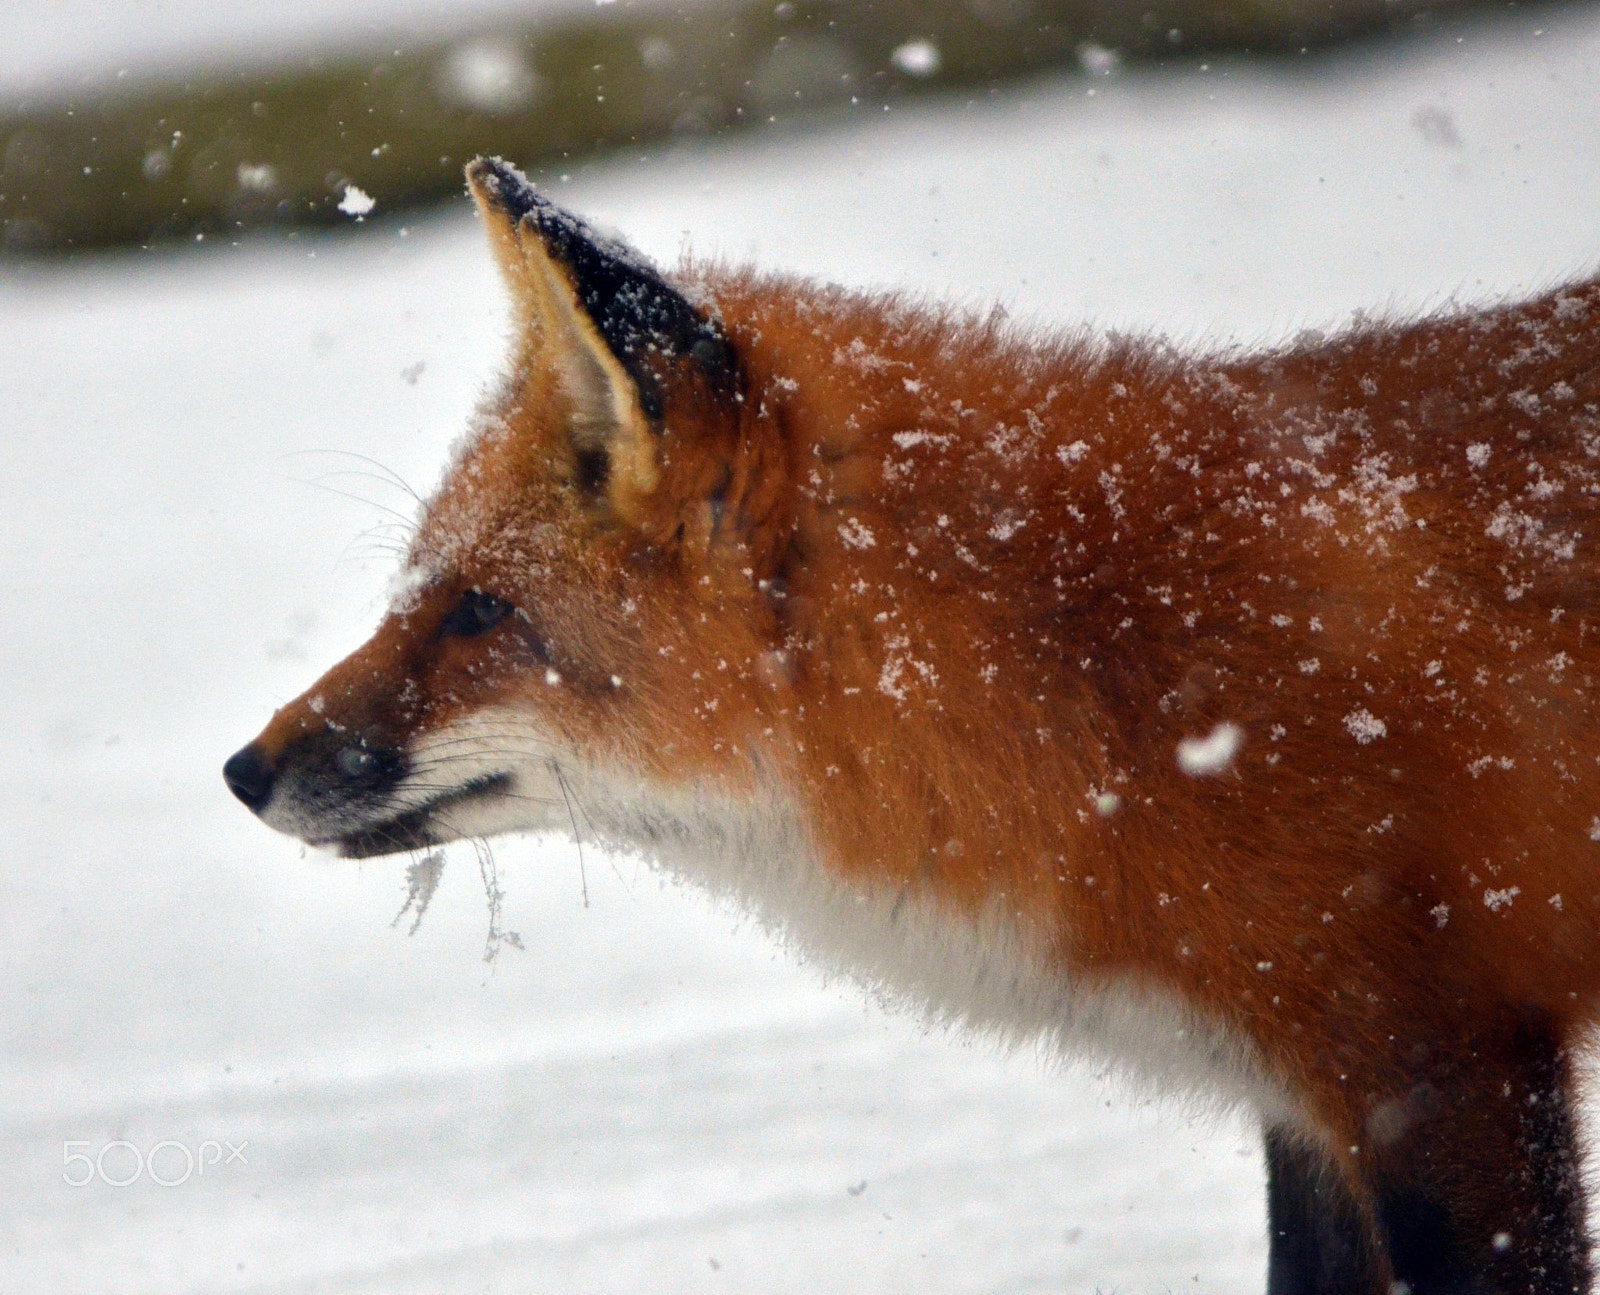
column 605, row 413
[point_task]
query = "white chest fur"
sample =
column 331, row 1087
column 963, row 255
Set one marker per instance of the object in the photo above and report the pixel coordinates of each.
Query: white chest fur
column 910, row 951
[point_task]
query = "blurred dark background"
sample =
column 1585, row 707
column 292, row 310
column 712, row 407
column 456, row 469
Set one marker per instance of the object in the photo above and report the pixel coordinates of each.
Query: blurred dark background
column 138, row 122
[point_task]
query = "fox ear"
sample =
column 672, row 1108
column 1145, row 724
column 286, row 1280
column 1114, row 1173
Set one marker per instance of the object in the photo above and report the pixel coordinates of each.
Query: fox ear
column 607, row 321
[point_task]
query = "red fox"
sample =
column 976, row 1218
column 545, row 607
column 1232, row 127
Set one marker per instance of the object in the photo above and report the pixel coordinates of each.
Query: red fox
column 1234, row 715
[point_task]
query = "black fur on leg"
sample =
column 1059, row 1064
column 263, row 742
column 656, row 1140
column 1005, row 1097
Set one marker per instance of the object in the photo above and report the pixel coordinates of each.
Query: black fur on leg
column 1425, row 1252
column 1554, row 1160
column 1489, row 1199
column 1318, row 1241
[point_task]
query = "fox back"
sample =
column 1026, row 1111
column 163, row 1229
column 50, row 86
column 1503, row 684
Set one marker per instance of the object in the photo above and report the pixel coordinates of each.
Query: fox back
column 1231, row 715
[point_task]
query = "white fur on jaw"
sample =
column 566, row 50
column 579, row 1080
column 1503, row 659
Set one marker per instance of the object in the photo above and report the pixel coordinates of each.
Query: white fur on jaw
column 287, row 814
column 493, row 744
column 908, row 949
column 755, row 849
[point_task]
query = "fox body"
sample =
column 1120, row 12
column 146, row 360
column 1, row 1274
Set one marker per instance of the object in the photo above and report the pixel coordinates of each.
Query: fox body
column 1233, row 715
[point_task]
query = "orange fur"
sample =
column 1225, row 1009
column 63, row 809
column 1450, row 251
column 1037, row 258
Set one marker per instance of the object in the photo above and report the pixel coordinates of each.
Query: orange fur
column 962, row 593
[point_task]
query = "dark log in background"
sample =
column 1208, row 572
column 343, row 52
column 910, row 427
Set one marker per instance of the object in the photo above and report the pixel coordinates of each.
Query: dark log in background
column 222, row 151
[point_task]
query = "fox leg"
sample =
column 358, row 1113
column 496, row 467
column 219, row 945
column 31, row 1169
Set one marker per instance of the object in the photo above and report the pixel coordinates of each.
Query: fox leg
column 1472, row 1168
column 1319, row 1241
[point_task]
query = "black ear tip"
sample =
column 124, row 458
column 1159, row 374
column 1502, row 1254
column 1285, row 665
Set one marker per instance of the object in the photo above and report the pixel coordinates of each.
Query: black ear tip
column 502, row 184
column 634, row 307
column 484, row 174
column 494, row 171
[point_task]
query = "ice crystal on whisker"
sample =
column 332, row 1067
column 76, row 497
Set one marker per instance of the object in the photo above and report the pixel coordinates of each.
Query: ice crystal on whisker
column 422, row 879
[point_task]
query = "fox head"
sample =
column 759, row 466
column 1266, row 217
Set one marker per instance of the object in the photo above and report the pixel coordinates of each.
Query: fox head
column 592, row 558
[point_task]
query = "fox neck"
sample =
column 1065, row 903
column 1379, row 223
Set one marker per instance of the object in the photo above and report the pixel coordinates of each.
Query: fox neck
column 919, row 588
column 914, row 946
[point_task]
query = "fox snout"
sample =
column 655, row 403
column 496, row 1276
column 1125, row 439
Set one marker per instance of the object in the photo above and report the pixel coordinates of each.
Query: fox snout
column 327, row 787
column 351, row 797
column 252, row 772
column 250, row 775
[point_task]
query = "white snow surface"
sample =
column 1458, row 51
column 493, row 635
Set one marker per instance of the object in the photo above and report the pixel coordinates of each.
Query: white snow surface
column 648, row 1096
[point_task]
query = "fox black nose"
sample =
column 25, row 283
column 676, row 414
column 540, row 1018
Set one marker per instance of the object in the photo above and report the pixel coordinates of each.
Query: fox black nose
column 249, row 777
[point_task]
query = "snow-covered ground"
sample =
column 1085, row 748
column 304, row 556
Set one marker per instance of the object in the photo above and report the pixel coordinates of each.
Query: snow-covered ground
column 650, row 1096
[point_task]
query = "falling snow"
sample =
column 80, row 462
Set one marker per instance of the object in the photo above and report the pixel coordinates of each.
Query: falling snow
column 1364, row 726
column 918, row 58
column 1497, row 900
column 356, row 202
column 1212, row 754
column 856, row 535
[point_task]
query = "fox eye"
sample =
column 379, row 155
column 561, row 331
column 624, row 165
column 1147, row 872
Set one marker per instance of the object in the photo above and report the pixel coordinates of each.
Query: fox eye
column 475, row 614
